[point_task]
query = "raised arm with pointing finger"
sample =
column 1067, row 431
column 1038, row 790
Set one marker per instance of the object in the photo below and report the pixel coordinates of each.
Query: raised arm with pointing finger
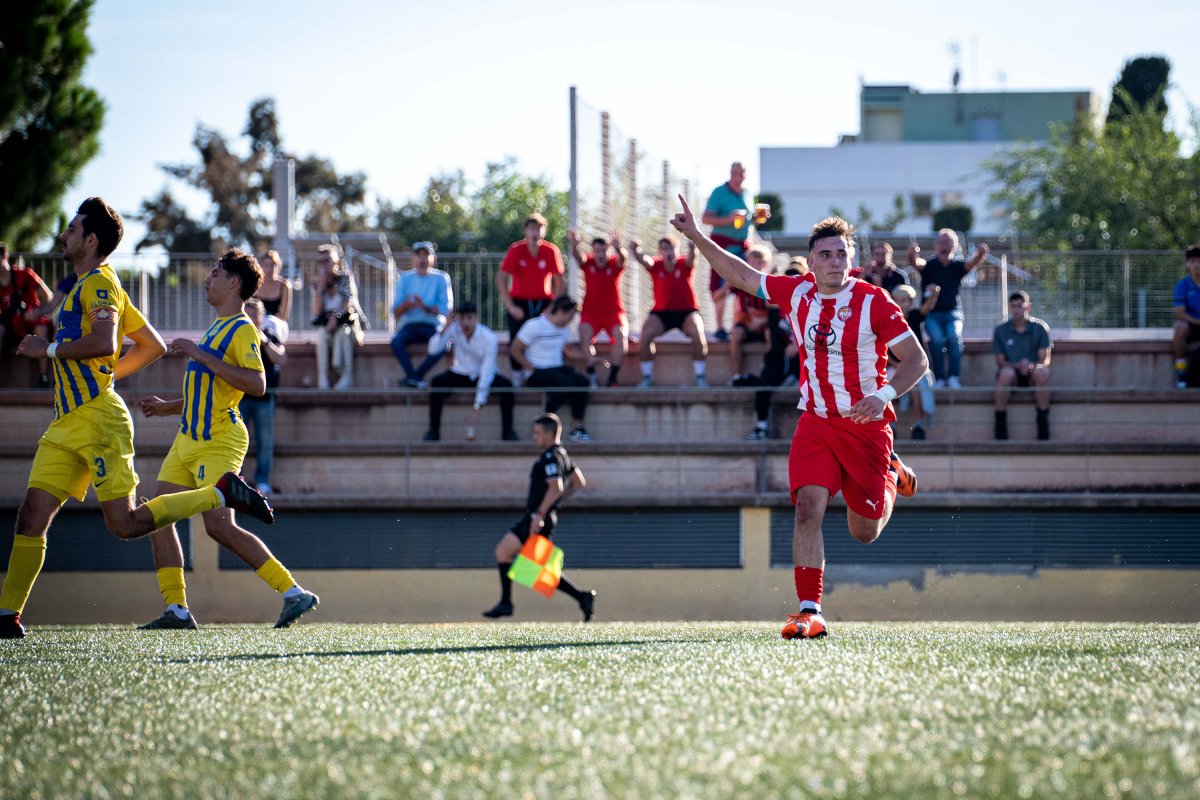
column 733, row 269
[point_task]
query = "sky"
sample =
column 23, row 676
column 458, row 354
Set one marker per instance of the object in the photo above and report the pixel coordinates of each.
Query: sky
column 404, row 90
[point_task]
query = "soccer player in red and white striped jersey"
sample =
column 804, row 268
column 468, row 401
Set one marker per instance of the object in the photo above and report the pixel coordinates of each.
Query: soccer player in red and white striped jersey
column 844, row 327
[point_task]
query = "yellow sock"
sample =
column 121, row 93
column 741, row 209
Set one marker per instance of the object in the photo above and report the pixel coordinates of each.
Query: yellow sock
column 28, row 555
column 170, row 508
column 276, row 575
column 1181, row 365
column 170, row 583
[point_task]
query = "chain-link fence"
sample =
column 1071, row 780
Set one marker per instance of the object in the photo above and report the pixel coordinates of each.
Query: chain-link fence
column 617, row 185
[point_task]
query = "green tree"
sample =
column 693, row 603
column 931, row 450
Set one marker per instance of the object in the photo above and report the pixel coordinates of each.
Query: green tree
column 507, row 197
column 438, row 215
column 168, row 222
column 1128, row 186
column 865, row 220
column 327, row 201
column 1142, row 85
column 955, row 217
column 239, row 187
column 775, row 223
column 49, row 123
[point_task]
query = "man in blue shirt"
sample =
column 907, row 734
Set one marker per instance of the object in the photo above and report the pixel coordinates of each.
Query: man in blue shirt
column 423, row 299
column 1187, row 314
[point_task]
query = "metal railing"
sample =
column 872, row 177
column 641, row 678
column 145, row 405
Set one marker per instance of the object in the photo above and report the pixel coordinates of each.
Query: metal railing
column 1069, row 290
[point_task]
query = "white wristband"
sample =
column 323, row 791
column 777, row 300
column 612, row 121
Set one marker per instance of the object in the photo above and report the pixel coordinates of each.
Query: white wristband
column 51, row 350
column 885, row 393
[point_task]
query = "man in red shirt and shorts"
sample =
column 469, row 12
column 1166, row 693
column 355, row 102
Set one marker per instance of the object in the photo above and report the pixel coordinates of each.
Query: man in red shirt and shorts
column 675, row 305
column 23, row 300
column 603, row 309
column 530, row 276
column 844, row 327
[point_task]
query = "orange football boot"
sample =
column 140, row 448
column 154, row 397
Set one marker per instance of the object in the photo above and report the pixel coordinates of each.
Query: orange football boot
column 805, row 625
column 906, row 479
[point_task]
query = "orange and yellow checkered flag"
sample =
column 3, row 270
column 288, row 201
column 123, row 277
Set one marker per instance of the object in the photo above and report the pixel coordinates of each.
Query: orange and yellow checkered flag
column 538, row 566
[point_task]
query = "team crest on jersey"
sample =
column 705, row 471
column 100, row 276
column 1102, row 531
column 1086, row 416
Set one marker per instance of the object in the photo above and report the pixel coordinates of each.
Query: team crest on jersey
column 844, row 313
column 541, row 263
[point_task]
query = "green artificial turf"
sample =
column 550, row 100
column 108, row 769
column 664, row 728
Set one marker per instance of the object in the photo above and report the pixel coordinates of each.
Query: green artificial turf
column 707, row 710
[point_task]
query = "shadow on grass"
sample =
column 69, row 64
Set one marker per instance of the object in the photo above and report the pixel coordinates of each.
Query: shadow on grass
column 432, row 651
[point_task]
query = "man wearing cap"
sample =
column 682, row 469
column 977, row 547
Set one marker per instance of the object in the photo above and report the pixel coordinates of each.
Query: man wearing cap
column 422, row 301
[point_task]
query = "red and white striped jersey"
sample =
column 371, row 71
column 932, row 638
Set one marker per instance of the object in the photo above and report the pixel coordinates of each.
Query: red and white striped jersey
column 843, row 338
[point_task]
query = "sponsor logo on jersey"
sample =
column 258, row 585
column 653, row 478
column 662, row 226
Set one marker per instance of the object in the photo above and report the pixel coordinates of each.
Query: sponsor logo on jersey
column 822, row 335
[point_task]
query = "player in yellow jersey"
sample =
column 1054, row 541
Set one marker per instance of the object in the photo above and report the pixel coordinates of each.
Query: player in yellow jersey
column 212, row 440
column 90, row 440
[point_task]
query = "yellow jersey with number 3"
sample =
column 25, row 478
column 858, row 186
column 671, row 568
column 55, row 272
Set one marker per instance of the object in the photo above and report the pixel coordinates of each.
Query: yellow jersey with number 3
column 210, row 405
column 97, row 297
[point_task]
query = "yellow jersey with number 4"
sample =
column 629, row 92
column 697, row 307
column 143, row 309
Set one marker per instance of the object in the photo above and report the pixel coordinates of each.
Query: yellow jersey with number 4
column 210, row 405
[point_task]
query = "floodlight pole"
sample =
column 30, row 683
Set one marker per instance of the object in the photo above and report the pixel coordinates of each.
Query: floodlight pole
column 283, row 188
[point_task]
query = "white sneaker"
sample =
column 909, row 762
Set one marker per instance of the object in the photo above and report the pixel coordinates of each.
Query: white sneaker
column 345, row 382
column 1181, row 385
column 264, row 489
column 939, row 384
column 953, row 382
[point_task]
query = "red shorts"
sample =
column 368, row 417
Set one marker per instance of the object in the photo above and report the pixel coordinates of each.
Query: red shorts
column 844, row 456
column 603, row 322
column 22, row 328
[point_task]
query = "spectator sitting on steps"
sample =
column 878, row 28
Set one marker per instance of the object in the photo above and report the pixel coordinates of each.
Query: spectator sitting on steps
column 422, row 300
column 474, row 348
column 336, row 318
column 1187, row 315
column 603, row 309
column 1022, row 349
column 539, row 347
column 674, row 306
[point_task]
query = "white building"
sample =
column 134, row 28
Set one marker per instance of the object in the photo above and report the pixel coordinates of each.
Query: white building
column 927, row 148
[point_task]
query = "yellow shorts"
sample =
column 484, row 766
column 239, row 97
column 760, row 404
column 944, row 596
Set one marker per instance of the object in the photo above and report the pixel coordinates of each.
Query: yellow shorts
column 91, row 444
column 196, row 464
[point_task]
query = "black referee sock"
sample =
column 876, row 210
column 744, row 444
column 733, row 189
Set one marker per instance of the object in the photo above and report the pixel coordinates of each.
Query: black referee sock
column 505, row 583
column 565, row 586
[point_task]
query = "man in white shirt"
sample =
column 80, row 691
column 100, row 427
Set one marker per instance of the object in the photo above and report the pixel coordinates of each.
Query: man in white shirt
column 538, row 347
column 474, row 348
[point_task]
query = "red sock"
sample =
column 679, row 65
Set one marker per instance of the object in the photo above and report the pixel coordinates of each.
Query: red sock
column 808, row 584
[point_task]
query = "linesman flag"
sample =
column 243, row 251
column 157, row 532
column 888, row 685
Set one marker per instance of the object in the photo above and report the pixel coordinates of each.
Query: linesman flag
column 538, row 566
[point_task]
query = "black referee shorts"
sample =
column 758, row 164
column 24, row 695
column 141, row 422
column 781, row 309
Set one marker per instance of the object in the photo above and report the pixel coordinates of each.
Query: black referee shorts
column 521, row 529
